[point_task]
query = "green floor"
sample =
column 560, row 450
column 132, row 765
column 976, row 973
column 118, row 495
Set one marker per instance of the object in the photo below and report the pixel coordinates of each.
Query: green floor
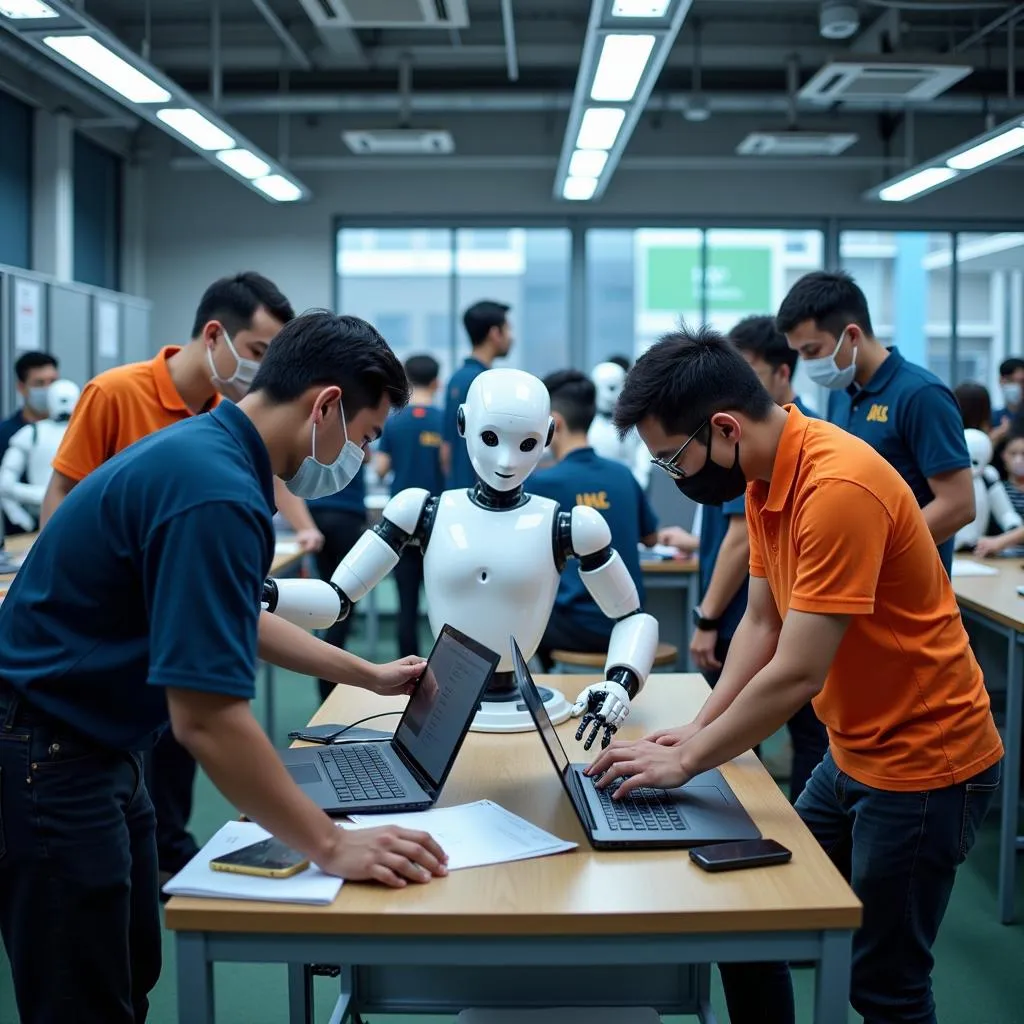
column 979, row 970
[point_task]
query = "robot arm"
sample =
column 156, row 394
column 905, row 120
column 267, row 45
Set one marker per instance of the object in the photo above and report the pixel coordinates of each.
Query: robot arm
column 634, row 638
column 13, row 493
column 314, row 604
column 999, row 502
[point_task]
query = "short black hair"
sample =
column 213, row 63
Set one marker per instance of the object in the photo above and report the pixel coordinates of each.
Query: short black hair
column 574, row 396
column 685, row 378
column 830, row 298
column 319, row 349
column 622, row 361
column 1008, row 367
column 422, row 371
column 481, row 317
column 975, row 405
column 234, row 301
column 33, row 361
column 759, row 336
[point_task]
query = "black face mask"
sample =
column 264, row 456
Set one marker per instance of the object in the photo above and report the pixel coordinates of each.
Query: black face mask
column 714, row 484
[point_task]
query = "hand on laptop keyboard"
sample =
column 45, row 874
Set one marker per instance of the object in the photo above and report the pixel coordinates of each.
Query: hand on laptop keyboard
column 639, row 763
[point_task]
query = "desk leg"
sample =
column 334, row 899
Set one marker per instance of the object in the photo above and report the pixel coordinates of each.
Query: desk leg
column 269, row 716
column 343, row 1007
column 692, row 586
column 195, row 980
column 300, row 994
column 1011, row 784
column 832, row 978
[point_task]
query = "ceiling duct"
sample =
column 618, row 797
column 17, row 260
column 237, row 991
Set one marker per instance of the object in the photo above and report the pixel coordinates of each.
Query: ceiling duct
column 849, row 80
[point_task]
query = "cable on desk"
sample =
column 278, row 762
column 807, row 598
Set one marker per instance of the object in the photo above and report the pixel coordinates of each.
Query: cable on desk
column 333, row 736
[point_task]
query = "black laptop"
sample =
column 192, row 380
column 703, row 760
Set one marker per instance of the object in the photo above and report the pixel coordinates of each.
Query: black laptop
column 703, row 811
column 407, row 771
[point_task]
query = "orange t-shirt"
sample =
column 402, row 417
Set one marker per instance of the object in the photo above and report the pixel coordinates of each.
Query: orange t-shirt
column 837, row 531
column 118, row 408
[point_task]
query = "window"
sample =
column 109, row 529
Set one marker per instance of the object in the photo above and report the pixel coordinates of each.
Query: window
column 97, row 227
column 15, row 182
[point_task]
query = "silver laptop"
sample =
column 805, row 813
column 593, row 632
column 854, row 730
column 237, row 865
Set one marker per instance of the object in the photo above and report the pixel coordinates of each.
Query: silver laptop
column 407, row 771
column 703, row 811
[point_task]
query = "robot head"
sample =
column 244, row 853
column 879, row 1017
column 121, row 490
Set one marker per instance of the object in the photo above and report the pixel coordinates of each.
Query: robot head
column 61, row 400
column 979, row 447
column 608, row 379
column 506, row 421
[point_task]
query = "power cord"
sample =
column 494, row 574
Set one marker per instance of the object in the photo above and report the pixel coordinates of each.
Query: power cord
column 332, row 737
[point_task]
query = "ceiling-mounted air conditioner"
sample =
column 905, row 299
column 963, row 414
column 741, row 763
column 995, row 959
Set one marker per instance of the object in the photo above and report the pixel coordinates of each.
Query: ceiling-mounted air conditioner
column 795, row 143
column 388, row 13
column 399, row 142
column 881, row 79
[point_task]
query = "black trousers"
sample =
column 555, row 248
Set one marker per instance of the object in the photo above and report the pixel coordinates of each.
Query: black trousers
column 171, row 776
column 341, row 529
column 408, row 576
column 563, row 634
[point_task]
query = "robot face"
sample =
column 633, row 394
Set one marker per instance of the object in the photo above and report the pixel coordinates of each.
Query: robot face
column 608, row 379
column 61, row 400
column 979, row 447
column 506, row 420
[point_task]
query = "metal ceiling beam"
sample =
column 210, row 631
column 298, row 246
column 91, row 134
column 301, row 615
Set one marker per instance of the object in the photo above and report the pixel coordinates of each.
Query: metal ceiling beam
column 508, row 27
column 288, row 41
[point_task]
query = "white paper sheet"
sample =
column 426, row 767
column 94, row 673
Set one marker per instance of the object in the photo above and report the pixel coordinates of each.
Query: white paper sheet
column 963, row 567
column 28, row 328
column 475, row 834
column 285, row 547
column 197, row 878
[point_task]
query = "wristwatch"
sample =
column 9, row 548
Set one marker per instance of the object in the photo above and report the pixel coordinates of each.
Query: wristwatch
column 701, row 623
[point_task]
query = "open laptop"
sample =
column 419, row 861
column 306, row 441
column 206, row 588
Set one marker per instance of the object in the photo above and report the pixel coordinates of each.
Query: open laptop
column 703, row 811
column 407, row 771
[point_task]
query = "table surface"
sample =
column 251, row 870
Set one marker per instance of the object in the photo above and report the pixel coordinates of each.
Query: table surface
column 669, row 566
column 583, row 892
column 994, row 596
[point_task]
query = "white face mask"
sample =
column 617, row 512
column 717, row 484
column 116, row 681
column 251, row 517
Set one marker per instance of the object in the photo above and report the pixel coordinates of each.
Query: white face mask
column 825, row 372
column 1017, row 466
column 237, row 385
column 316, row 479
column 1011, row 395
column 36, row 400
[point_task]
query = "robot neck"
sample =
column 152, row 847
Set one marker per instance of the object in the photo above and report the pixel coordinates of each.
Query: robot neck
column 487, row 497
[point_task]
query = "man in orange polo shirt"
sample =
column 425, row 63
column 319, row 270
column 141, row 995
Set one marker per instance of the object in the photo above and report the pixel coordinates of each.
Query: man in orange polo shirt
column 849, row 605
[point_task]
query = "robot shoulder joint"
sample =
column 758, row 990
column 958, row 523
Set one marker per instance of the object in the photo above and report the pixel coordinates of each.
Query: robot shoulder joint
column 590, row 532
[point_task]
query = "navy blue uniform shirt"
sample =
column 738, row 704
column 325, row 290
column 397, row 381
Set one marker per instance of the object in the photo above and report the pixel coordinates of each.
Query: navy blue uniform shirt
column 912, row 420
column 461, row 472
column 412, row 438
column 350, row 499
column 148, row 575
column 584, row 478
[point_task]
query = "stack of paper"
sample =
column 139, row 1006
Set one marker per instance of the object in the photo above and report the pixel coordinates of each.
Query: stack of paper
column 474, row 834
column 964, row 567
column 197, row 878
column 284, row 548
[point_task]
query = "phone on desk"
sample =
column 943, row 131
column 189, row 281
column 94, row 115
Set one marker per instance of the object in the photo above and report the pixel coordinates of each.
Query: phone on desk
column 750, row 853
column 269, row 858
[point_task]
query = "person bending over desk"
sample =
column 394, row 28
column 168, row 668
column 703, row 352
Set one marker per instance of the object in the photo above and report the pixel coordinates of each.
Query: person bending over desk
column 848, row 605
column 582, row 477
column 141, row 603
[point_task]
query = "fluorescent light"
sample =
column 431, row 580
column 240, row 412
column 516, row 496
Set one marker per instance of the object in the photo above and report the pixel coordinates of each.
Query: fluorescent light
column 640, row 8
column 599, row 127
column 247, row 164
column 907, row 188
column 579, row 188
column 278, row 187
column 197, row 129
column 26, row 9
column 107, row 67
column 621, row 66
column 991, row 149
column 587, row 163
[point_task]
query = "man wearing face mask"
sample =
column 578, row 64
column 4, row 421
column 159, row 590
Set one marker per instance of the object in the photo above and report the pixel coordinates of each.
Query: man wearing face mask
column 902, row 410
column 140, row 608
column 1011, row 385
column 848, row 606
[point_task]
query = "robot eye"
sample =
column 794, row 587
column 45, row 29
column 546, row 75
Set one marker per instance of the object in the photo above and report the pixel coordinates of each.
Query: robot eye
column 528, row 445
column 489, row 438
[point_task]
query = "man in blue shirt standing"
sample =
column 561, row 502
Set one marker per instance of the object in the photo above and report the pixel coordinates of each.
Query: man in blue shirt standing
column 410, row 449
column 582, row 477
column 139, row 604
column 490, row 335
column 902, row 410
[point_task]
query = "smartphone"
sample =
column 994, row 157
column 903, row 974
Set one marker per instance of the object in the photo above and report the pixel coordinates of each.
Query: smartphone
column 269, row 859
column 751, row 853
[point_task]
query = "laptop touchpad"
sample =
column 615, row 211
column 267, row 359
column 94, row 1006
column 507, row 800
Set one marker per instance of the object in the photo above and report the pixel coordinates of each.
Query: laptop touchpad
column 304, row 773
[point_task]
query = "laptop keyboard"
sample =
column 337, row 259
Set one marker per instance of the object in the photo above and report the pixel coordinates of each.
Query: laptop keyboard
column 644, row 810
column 359, row 772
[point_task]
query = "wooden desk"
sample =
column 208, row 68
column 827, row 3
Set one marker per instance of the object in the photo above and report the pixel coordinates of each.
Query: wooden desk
column 993, row 602
column 15, row 546
column 672, row 593
column 567, row 919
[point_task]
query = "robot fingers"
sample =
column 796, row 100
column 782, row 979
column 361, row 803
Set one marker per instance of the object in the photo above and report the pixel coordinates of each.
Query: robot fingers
column 587, row 719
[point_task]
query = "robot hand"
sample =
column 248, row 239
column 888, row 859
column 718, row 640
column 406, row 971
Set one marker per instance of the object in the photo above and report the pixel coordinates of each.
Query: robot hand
column 605, row 704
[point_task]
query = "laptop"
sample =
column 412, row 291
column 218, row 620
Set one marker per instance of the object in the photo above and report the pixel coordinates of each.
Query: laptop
column 703, row 811
column 407, row 771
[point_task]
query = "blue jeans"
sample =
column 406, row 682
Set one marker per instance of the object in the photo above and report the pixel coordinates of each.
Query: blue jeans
column 79, row 912
column 900, row 853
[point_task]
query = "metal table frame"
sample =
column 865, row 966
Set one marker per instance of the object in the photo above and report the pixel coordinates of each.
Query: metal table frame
column 377, row 979
column 687, row 584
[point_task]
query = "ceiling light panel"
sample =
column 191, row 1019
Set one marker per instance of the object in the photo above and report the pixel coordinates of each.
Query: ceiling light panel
column 197, row 129
column 996, row 148
column 599, row 127
column 245, row 163
column 579, row 188
column 640, row 8
column 101, row 63
column 278, row 187
column 587, row 163
column 26, row 9
column 915, row 184
column 620, row 67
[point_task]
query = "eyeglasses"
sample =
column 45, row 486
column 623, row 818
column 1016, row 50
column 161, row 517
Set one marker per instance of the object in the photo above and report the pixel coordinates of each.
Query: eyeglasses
column 669, row 465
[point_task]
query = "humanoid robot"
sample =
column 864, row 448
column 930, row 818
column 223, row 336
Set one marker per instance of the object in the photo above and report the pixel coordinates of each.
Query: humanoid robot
column 26, row 467
column 603, row 435
column 990, row 497
column 492, row 557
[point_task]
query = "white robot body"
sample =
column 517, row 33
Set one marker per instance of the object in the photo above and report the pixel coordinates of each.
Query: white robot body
column 367, row 563
column 990, row 497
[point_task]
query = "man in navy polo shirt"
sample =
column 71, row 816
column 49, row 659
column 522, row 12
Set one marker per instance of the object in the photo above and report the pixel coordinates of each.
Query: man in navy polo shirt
column 139, row 604
column 582, row 477
column 410, row 449
column 902, row 410
column 490, row 335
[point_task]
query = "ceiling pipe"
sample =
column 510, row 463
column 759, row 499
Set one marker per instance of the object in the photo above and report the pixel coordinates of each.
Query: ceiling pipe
column 288, row 41
column 509, row 29
column 995, row 23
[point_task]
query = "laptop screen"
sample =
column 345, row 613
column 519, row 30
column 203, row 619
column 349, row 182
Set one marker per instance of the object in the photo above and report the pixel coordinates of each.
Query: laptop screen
column 440, row 710
column 535, row 705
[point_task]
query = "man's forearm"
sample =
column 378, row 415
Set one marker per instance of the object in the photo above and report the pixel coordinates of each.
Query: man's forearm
column 293, row 508
column 944, row 519
column 731, row 568
column 289, row 646
column 57, row 490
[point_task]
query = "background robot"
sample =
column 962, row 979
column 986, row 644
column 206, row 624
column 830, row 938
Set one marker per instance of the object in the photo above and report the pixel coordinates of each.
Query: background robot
column 990, row 497
column 492, row 560
column 26, row 467
column 603, row 435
